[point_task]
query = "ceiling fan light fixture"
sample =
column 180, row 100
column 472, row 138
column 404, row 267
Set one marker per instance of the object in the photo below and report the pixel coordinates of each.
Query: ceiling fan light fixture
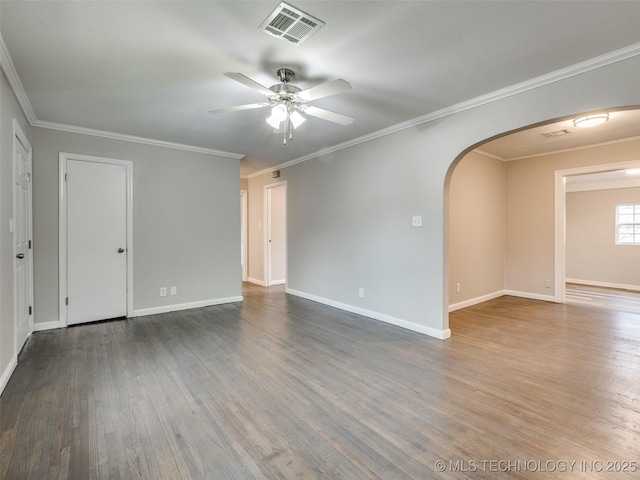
column 274, row 122
column 591, row 120
column 296, row 119
column 279, row 112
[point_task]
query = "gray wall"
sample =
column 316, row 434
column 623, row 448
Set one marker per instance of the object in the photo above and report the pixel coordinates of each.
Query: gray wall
column 9, row 110
column 349, row 212
column 186, row 220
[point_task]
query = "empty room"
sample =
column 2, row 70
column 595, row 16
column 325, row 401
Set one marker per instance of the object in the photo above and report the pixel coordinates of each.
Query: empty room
column 319, row 239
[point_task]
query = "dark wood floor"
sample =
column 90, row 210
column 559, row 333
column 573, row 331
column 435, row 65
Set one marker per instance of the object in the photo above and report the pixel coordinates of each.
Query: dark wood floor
column 280, row 388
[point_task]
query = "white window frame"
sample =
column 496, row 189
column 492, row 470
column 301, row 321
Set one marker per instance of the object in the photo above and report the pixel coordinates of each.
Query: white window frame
column 635, row 223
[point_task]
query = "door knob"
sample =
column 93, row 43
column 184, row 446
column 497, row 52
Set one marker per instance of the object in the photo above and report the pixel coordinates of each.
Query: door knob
column 20, row 256
column 121, row 250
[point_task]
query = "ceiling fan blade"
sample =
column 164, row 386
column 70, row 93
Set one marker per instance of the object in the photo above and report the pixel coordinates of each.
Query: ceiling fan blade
column 238, row 77
column 238, row 107
column 327, row 115
column 324, row 90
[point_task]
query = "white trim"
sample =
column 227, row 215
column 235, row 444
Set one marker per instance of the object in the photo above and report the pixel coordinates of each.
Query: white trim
column 573, row 149
column 6, row 64
column 536, row 82
column 39, row 327
column 62, row 227
column 631, row 181
column 244, row 213
column 490, row 155
column 532, row 296
column 278, row 282
column 558, row 75
column 560, row 233
column 6, row 375
column 620, row 286
column 132, row 138
column 256, row 281
column 184, row 306
column 414, row 327
column 475, row 301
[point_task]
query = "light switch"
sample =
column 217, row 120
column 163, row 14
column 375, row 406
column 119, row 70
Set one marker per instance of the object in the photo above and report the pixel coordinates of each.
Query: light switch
column 417, row 221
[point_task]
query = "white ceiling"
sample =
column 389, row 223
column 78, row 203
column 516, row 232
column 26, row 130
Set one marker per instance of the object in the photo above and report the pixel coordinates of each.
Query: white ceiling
column 153, row 69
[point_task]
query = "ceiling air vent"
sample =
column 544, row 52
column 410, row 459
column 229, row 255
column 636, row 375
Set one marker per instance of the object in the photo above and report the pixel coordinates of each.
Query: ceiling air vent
column 557, row 133
column 291, row 24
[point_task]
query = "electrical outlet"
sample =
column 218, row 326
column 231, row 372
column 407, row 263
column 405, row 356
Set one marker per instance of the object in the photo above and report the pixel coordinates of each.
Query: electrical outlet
column 416, row 221
column 547, row 284
column 173, row 291
column 163, row 291
column 361, row 292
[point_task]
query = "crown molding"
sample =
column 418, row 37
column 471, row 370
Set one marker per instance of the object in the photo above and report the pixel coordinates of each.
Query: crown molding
column 558, row 75
column 16, row 85
column 540, row 81
column 573, row 149
column 132, row 138
column 6, row 64
column 490, row 155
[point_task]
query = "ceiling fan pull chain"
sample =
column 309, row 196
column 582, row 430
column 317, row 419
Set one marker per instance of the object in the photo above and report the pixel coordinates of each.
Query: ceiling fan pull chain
column 284, row 129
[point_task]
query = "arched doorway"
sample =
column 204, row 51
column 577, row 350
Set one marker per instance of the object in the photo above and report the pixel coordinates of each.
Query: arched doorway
column 522, row 172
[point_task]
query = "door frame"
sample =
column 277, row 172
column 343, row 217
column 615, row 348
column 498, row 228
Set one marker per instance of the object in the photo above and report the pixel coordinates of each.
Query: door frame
column 243, row 233
column 19, row 136
column 266, row 232
column 560, row 262
column 62, row 229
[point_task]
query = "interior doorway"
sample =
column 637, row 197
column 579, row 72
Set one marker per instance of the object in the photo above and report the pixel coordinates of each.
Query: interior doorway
column 562, row 178
column 275, row 202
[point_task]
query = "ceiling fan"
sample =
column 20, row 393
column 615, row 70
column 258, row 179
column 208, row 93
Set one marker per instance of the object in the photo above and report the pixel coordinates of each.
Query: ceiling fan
column 289, row 102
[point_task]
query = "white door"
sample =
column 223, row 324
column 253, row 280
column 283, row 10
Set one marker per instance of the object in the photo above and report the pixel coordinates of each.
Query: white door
column 96, row 241
column 276, row 235
column 22, row 286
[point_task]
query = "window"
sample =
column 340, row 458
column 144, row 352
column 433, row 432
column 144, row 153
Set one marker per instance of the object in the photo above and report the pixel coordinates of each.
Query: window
column 628, row 224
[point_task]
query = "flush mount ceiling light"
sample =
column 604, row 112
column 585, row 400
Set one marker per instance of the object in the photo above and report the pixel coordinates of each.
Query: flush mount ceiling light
column 591, row 120
column 633, row 171
column 288, row 102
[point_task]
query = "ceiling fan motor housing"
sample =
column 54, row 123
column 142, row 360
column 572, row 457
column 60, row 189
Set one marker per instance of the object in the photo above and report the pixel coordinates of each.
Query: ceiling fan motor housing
column 285, row 75
column 284, row 93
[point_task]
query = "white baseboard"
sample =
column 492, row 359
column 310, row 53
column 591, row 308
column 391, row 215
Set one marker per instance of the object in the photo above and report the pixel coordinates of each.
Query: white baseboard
column 474, row 301
column 415, row 327
column 184, row 306
column 278, row 282
column 532, row 296
column 622, row 286
column 256, row 281
column 38, row 327
column 6, row 375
